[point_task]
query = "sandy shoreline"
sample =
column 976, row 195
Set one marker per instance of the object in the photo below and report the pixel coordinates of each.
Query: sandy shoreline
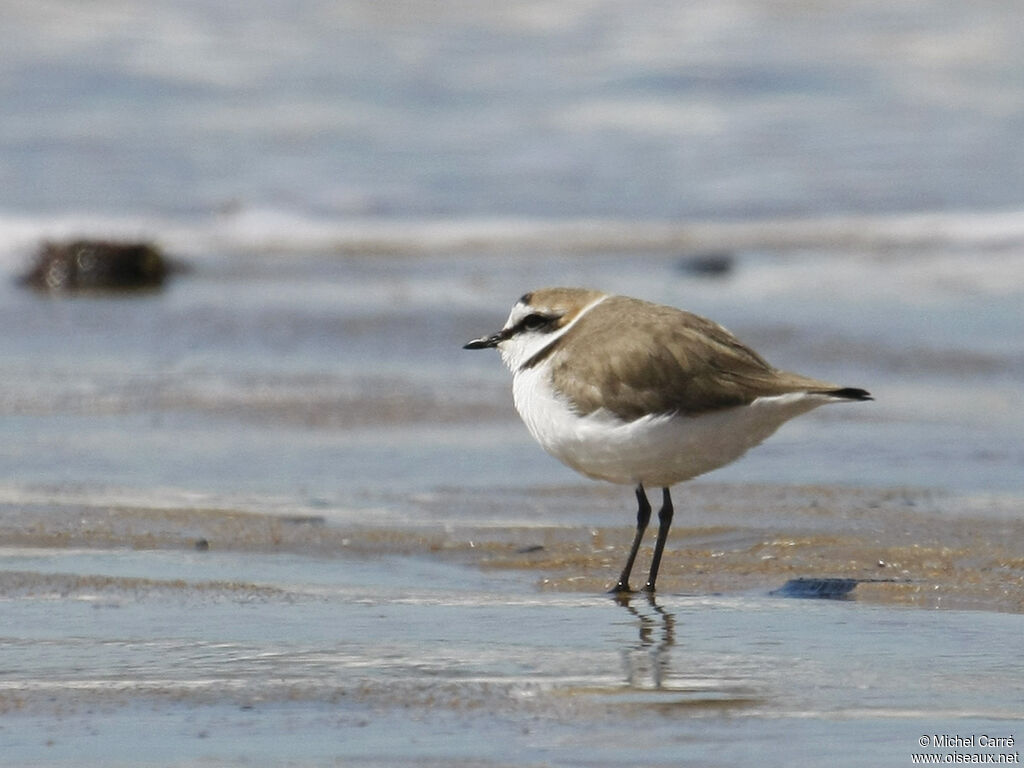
column 903, row 546
column 470, row 626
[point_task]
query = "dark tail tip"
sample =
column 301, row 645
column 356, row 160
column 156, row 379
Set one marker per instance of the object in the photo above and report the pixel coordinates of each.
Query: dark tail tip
column 850, row 393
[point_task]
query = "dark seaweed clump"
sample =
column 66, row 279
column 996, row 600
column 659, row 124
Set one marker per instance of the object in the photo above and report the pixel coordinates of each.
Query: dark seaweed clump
column 96, row 265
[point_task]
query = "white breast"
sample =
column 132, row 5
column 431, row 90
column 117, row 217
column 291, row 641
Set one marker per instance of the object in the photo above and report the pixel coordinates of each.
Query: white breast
column 655, row 450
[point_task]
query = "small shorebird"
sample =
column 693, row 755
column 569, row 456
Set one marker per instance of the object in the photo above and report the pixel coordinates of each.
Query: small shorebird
column 636, row 393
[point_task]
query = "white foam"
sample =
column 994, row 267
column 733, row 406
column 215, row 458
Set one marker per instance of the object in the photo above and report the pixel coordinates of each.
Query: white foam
column 981, row 252
column 287, row 229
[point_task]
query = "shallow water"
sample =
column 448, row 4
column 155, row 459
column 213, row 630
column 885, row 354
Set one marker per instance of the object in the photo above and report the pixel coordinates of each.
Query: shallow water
column 394, row 661
column 425, row 636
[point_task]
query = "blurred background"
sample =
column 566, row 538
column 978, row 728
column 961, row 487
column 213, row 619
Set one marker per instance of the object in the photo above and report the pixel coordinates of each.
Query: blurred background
column 356, row 188
column 539, row 108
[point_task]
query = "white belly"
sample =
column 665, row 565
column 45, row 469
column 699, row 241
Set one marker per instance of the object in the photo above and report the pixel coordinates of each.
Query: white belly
column 653, row 450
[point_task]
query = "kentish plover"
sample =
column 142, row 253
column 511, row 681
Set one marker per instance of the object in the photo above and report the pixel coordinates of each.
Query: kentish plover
column 637, row 393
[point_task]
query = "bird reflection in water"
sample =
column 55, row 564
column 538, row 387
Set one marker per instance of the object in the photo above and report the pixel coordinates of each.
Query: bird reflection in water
column 647, row 662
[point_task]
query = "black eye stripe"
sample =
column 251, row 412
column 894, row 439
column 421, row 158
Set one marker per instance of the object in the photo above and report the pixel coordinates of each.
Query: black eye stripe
column 535, row 322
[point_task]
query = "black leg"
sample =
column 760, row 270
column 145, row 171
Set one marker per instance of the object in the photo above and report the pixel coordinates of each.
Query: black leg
column 643, row 517
column 664, row 523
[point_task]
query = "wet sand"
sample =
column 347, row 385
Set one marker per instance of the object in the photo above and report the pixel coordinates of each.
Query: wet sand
column 398, row 634
column 901, row 546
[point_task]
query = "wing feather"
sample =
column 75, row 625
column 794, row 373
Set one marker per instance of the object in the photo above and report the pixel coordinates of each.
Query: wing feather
column 641, row 358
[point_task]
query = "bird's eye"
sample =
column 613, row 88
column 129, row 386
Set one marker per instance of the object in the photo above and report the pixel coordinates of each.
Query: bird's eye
column 535, row 322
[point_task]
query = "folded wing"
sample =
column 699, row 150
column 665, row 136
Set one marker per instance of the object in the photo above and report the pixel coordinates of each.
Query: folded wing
column 666, row 360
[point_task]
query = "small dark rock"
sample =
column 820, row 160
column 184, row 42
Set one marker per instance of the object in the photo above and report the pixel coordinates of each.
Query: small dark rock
column 202, row 545
column 819, row 589
column 708, row 264
column 96, row 265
